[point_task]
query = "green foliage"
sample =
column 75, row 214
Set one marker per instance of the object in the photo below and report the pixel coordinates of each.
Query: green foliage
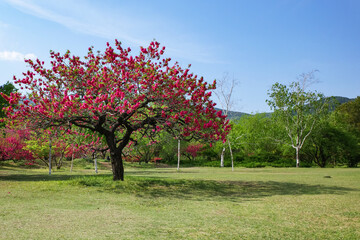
column 40, row 150
column 7, row 88
column 255, row 134
column 331, row 145
column 211, row 153
column 264, row 160
column 258, row 141
column 297, row 109
column 350, row 113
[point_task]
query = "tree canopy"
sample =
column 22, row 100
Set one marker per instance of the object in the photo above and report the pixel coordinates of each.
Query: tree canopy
column 350, row 112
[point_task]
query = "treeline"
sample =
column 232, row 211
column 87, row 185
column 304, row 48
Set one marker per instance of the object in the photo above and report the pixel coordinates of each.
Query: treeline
column 305, row 129
column 261, row 140
column 255, row 140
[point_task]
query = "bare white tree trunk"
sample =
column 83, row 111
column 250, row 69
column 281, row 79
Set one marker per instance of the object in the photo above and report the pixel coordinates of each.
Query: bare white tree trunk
column 297, row 158
column 178, row 164
column 222, row 157
column 95, row 163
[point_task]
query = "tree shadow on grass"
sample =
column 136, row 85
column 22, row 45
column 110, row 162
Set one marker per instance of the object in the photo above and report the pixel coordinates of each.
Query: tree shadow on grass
column 156, row 172
column 187, row 189
column 41, row 177
column 223, row 190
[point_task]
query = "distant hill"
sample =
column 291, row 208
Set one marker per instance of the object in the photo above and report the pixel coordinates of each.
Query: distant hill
column 342, row 100
column 338, row 101
column 233, row 114
column 236, row 115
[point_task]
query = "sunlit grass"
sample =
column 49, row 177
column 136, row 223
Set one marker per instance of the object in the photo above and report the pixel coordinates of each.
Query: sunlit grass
column 194, row 203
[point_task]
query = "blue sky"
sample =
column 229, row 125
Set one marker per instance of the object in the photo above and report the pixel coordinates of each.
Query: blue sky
column 258, row 42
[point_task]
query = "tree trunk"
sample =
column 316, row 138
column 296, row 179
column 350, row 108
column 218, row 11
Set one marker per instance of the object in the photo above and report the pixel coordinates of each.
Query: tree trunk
column 59, row 164
column 116, row 154
column 222, row 157
column 323, row 158
column 117, row 165
column 297, row 157
column 95, row 163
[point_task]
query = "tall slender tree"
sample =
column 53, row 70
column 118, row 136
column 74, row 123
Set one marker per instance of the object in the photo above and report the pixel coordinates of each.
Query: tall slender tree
column 224, row 95
column 297, row 109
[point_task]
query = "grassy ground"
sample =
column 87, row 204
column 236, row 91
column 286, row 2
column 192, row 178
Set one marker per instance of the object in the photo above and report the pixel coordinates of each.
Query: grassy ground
column 195, row 203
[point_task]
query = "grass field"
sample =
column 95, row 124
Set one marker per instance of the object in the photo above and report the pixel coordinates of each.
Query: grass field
column 195, row 203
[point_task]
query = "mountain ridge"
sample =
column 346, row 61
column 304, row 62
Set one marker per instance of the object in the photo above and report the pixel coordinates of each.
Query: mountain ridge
column 237, row 115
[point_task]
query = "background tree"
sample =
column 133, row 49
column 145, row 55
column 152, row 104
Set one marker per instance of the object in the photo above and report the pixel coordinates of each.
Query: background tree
column 256, row 134
column 143, row 150
column 297, row 109
column 12, row 144
column 350, row 113
column 258, row 140
column 85, row 144
column 224, row 94
column 117, row 94
column 193, row 150
column 39, row 142
column 168, row 147
column 6, row 89
column 331, row 144
column 347, row 116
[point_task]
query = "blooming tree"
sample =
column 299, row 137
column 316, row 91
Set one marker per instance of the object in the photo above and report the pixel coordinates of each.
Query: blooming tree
column 193, row 150
column 12, row 145
column 118, row 94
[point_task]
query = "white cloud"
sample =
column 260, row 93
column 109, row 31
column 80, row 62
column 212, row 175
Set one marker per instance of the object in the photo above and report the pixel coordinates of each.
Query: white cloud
column 88, row 24
column 15, row 56
column 120, row 23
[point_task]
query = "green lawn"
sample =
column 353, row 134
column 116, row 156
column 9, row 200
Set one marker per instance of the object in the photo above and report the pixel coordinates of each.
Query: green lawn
column 195, row 203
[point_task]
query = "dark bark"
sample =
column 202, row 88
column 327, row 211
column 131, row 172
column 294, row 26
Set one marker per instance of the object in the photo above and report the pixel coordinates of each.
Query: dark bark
column 117, row 165
column 116, row 153
column 320, row 158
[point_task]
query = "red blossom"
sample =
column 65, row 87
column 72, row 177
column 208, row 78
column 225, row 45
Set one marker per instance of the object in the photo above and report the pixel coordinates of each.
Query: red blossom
column 12, row 143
